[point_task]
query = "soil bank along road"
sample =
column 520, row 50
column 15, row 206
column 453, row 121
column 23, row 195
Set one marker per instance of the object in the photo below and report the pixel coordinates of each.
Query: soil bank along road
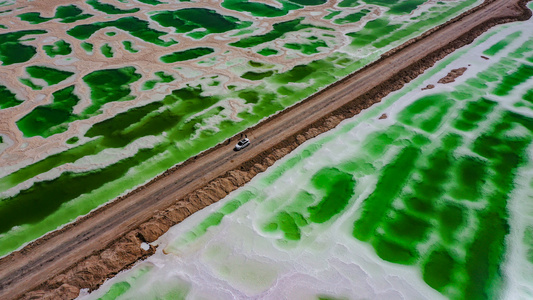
column 24, row 270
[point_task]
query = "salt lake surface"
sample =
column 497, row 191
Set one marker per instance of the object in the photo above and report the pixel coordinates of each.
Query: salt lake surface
column 433, row 201
column 100, row 96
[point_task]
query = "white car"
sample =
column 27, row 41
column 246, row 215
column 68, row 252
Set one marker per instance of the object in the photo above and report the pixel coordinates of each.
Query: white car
column 242, row 144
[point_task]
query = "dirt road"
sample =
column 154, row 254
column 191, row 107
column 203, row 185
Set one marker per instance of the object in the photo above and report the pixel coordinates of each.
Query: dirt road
column 24, row 270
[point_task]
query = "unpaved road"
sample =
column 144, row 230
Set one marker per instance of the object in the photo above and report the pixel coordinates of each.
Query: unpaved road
column 24, row 270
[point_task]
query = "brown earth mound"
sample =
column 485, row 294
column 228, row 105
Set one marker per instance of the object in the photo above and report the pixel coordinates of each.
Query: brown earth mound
column 454, row 74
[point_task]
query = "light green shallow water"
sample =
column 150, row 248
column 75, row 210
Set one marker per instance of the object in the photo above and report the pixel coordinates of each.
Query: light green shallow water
column 433, row 201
